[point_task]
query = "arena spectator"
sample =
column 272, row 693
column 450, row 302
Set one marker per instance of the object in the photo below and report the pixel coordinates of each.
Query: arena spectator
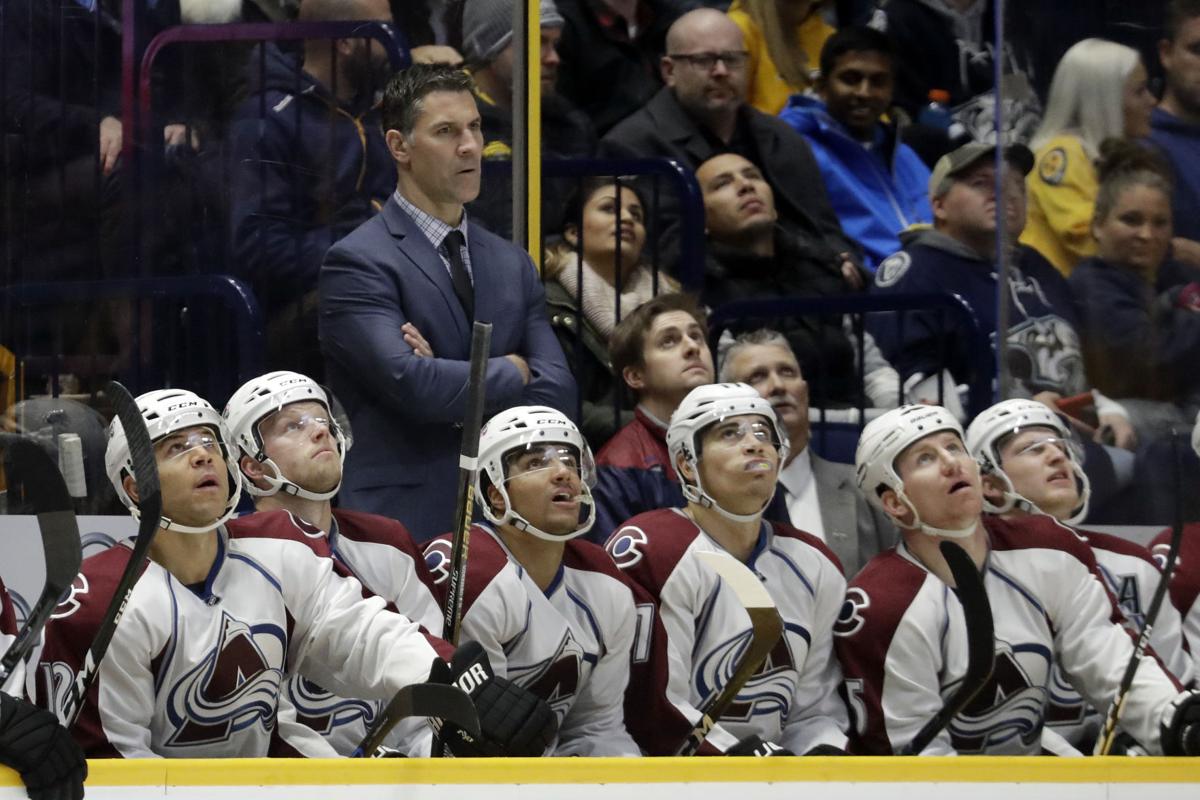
column 752, row 254
column 612, row 280
column 398, row 298
column 783, row 39
column 702, row 112
column 1140, row 313
column 876, row 184
column 1099, row 91
column 661, row 352
column 1175, row 124
column 814, row 495
column 309, row 166
column 614, row 44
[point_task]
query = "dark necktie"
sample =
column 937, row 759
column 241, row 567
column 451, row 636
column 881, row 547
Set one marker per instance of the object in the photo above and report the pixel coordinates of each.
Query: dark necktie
column 458, row 272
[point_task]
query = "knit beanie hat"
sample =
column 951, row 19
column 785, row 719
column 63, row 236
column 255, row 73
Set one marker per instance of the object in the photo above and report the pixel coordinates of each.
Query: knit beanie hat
column 487, row 27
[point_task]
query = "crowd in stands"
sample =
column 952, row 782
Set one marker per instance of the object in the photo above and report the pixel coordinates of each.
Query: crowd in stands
column 839, row 150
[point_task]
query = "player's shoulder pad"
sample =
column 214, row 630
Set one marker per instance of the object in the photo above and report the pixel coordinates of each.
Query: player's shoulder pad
column 650, row 545
column 1036, row 531
column 487, row 560
column 1052, row 166
column 584, row 555
column 878, row 597
column 273, row 525
column 892, row 269
column 787, row 531
column 362, row 526
column 96, row 583
column 1188, row 559
column 1119, row 545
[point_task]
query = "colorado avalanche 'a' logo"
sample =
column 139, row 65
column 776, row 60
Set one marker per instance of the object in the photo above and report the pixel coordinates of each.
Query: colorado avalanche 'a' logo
column 626, row 545
column 234, row 687
column 323, row 711
column 437, row 559
column 769, row 690
column 1006, row 716
column 556, row 679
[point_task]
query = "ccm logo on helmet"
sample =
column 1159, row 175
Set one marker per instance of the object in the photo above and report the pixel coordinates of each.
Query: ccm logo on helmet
column 291, row 381
column 472, row 679
column 184, row 404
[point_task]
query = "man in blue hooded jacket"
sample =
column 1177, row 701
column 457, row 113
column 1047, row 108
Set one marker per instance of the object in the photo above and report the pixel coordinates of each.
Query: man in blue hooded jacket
column 876, row 184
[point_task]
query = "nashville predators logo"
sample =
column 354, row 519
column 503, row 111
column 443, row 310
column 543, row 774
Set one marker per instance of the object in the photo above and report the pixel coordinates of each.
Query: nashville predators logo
column 1053, row 166
column 234, row 687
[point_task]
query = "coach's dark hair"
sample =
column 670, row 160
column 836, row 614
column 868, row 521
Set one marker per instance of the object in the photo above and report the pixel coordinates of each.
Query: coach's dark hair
column 628, row 340
column 405, row 92
column 855, row 39
column 1178, row 13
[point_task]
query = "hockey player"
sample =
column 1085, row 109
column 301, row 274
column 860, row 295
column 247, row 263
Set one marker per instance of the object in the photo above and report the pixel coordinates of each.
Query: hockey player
column 291, row 453
column 726, row 446
column 902, row 638
column 1029, row 466
column 31, row 740
column 215, row 622
column 1185, row 583
column 551, row 610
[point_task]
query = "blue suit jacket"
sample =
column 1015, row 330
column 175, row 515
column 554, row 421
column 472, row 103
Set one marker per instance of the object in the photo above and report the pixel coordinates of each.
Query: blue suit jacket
column 406, row 412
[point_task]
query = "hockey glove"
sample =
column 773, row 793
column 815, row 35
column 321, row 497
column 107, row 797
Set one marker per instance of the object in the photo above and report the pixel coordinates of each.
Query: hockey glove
column 35, row 745
column 826, row 750
column 755, row 746
column 1181, row 734
column 512, row 720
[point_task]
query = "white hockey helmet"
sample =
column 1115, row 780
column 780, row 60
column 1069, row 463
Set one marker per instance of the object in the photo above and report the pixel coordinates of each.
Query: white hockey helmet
column 166, row 411
column 704, row 406
column 1004, row 419
column 1196, row 435
column 259, row 398
column 881, row 443
column 521, row 428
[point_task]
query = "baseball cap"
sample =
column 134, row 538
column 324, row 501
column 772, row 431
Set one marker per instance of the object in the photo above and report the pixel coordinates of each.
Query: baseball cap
column 958, row 161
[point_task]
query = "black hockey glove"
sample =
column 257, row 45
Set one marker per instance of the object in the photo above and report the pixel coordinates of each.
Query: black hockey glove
column 826, row 750
column 35, row 745
column 1181, row 734
column 755, row 746
column 512, row 720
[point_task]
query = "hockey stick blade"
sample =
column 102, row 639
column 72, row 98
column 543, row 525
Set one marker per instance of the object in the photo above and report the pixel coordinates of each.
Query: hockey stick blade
column 448, row 703
column 766, row 628
column 981, row 643
column 61, row 548
column 145, row 472
column 1112, row 716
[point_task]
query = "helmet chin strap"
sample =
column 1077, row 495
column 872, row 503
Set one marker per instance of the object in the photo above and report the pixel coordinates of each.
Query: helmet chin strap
column 288, row 487
column 930, row 530
column 1014, row 499
column 512, row 517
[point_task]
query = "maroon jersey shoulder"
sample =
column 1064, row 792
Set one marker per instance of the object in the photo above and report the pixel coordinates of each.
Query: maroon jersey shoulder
column 787, row 531
column 648, row 547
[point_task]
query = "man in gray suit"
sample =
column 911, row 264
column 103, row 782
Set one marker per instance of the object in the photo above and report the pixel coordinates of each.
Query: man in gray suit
column 814, row 495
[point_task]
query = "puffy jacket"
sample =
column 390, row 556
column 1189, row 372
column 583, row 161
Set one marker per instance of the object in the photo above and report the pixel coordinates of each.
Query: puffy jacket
column 876, row 192
column 633, row 475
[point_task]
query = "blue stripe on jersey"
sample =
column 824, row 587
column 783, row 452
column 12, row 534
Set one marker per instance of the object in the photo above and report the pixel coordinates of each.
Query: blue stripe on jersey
column 206, row 591
column 800, row 631
column 512, row 643
column 786, row 559
column 556, row 580
column 255, row 565
column 705, row 615
column 591, row 619
column 1020, row 589
column 760, row 545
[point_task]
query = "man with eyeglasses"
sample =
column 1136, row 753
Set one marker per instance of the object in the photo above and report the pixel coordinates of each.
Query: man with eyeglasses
column 1030, row 465
column 291, row 452
column 702, row 111
column 727, row 446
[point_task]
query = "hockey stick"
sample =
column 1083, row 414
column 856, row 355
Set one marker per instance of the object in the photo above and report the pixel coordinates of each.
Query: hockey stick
column 61, row 547
column 448, row 703
column 766, row 628
column 981, row 644
column 1108, row 732
column 468, row 465
column 145, row 472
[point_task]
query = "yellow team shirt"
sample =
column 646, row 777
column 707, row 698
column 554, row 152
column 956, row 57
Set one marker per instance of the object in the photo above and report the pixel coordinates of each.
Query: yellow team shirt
column 1062, row 196
column 766, row 91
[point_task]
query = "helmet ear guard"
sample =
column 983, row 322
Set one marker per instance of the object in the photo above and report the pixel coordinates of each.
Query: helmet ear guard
column 165, row 412
column 1006, row 418
column 705, row 406
column 256, row 400
column 522, row 428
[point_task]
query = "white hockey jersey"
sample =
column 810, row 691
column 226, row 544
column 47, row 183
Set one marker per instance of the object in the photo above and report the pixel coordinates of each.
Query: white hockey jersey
column 901, row 639
column 571, row 645
column 196, row 672
column 793, row 699
column 1130, row 574
column 381, row 555
column 15, row 685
